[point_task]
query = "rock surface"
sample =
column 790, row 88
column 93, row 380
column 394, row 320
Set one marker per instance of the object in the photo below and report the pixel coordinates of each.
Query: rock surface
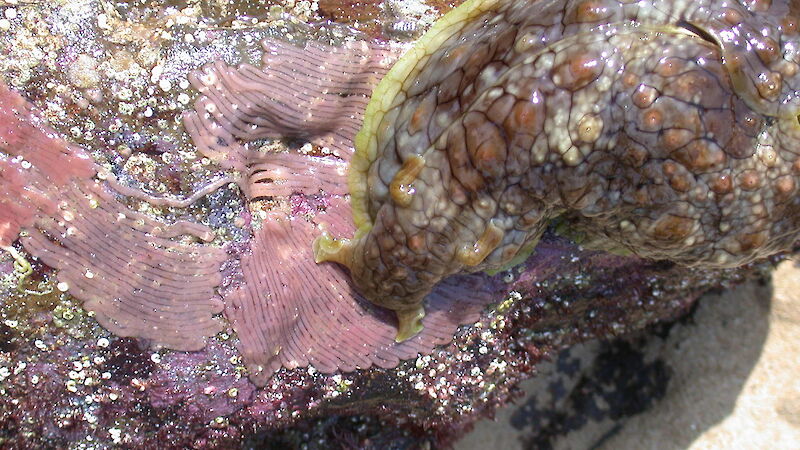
column 67, row 382
column 65, row 379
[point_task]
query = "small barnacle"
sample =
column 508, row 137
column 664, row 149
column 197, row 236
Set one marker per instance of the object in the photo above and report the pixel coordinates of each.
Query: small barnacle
column 165, row 84
column 219, row 422
column 116, row 435
column 138, row 384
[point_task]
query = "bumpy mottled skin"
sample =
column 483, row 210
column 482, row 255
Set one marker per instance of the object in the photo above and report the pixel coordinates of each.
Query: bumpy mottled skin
column 668, row 128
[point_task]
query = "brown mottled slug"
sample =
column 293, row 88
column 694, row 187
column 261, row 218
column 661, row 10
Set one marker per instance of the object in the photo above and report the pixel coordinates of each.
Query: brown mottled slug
column 667, row 127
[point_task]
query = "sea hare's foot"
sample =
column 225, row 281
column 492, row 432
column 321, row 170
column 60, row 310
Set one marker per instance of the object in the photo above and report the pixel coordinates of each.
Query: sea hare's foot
column 329, row 249
column 340, row 251
column 409, row 323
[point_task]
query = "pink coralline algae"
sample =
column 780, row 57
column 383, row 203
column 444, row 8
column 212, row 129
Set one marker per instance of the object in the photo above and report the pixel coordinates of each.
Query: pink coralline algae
column 25, row 196
column 139, row 281
column 120, row 263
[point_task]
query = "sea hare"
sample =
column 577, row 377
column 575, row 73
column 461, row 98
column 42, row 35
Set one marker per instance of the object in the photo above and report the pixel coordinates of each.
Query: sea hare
column 667, row 130
column 671, row 132
column 659, row 129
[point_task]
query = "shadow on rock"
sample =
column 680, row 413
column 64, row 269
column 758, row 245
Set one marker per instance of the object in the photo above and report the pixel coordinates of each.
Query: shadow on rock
column 686, row 375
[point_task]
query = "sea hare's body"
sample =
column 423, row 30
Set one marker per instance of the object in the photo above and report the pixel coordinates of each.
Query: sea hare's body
column 670, row 128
